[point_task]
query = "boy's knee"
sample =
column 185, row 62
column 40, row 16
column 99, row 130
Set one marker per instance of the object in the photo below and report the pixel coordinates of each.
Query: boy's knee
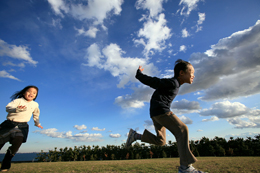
column 184, row 128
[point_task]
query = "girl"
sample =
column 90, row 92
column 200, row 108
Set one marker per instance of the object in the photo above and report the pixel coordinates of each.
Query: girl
column 15, row 129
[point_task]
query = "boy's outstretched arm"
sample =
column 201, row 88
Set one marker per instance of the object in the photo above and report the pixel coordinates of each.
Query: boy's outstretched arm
column 153, row 82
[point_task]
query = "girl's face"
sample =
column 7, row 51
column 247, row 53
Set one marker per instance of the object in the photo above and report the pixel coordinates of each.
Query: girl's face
column 30, row 94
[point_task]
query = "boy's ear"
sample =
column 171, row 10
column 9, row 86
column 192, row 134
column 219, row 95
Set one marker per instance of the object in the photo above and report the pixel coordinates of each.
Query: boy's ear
column 181, row 73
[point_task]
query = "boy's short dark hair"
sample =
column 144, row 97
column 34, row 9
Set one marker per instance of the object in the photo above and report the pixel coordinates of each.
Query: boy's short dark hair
column 180, row 65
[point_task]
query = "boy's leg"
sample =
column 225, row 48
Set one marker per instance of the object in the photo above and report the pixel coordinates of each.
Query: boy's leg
column 150, row 138
column 180, row 131
column 147, row 136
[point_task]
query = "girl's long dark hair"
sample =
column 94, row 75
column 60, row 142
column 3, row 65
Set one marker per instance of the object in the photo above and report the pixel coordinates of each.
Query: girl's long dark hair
column 19, row 94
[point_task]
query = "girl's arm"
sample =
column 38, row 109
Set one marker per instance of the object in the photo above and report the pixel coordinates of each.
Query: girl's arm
column 36, row 114
column 14, row 107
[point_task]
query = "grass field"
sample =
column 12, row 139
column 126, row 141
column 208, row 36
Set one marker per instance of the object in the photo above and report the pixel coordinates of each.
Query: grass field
column 209, row 164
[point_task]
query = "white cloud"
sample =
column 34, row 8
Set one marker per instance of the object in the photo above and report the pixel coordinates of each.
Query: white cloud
column 80, row 127
column 235, row 113
column 226, row 109
column 92, row 32
column 86, row 137
column 149, row 125
column 185, row 104
column 202, row 17
column 214, row 118
column 199, row 130
column 57, row 23
column 183, row 48
column 188, row 6
column 185, row 107
column 168, row 74
column 186, row 120
column 228, row 88
column 97, row 129
column 12, row 64
column 16, row 52
column 242, row 135
column 5, row 74
column 154, row 6
column 57, row 6
column 185, row 33
column 217, row 70
column 153, row 35
column 136, row 100
column 115, row 135
column 240, row 124
column 111, row 60
column 96, row 10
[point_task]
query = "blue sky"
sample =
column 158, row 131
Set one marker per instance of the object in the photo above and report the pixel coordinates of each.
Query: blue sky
column 83, row 56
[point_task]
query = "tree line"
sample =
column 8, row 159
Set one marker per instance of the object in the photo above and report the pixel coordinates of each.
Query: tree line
column 203, row 147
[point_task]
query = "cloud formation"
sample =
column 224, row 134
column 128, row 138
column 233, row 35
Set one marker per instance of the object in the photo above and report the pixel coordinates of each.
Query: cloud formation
column 235, row 113
column 185, row 107
column 154, row 6
column 115, row 135
column 80, row 127
column 95, row 10
column 149, row 125
column 110, row 59
column 16, row 52
column 230, row 69
column 185, row 33
column 92, row 32
column 5, row 74
column 188, row 6
column 214, row 118
column 186, row 120
column 136, row 100
column 153, row 35
column 202, row 17
column 97, row 129
column 86, row 137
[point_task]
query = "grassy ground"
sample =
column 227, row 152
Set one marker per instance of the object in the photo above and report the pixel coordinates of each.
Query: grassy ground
column 209, row 164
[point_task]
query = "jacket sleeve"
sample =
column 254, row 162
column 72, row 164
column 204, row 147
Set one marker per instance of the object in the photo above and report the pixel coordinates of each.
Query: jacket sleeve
column 36, row 114
column 154, row 82
column 12, row 106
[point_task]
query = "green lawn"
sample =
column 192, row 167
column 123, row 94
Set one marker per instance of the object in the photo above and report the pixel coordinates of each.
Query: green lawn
column 209, row 164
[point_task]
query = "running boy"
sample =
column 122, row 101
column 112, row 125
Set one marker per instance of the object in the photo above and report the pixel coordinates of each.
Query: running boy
column 162, row 117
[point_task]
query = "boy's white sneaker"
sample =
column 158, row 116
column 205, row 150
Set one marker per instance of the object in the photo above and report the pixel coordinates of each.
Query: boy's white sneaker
column 190, row 169
column 131, row 138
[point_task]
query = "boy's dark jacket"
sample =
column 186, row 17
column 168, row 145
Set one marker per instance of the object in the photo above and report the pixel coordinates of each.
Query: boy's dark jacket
column 165, row 91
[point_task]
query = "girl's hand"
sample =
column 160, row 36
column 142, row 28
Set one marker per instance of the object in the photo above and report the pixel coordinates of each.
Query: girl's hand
column 21, row 108
column 40, row 126
column 140, row 68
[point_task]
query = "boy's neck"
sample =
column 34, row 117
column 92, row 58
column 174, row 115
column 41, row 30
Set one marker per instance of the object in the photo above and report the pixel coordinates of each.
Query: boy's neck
column 180, row 81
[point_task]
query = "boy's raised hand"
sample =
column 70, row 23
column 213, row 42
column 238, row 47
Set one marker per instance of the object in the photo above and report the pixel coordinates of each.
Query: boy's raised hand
column 140, row 68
